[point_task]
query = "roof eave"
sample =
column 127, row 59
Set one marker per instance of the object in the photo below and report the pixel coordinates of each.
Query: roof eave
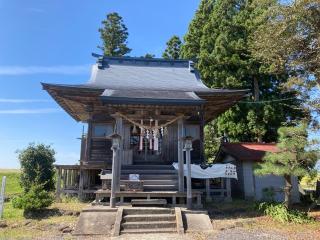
column 151, row 101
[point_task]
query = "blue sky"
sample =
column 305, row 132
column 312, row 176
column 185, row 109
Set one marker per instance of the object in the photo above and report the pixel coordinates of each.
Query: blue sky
column 52, row 41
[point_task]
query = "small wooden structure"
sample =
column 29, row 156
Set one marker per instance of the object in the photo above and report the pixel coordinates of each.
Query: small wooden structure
column 249, row 186
column 152, row 104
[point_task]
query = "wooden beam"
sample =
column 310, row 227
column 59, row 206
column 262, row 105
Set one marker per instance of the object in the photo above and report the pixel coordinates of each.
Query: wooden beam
column 180, row 154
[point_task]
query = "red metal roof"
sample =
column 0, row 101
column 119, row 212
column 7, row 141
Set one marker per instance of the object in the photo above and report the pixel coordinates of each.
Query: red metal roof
column 248, row 151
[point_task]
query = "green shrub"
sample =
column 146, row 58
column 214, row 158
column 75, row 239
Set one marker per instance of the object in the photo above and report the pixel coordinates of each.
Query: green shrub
column 268, row 194
column 281, row 213
column 36, row 198
column 37, row 167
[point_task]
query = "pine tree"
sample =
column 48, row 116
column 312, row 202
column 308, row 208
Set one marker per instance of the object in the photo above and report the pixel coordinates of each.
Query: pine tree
column 114, row 34
column 173, row 49
column 295, row 157
column 220, row 37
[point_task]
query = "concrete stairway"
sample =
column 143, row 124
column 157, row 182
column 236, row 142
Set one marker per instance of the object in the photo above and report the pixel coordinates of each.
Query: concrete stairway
column 155, row 177
column 148, row 220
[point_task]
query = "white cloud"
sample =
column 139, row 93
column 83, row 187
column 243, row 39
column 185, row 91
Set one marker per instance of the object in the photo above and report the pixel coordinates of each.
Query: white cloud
column 31, row 111
column 35, row 10
column 62, row 69
column 15, row 100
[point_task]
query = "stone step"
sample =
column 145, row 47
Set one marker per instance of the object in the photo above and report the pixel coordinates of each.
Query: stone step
column 160, row 182
column 152, row 176
column 149, row 217
column 148, row 225
column 150, row 230
column 160, row 187
column 147, row 211
column 147, row 167
column 156, row 187
column 148, row 171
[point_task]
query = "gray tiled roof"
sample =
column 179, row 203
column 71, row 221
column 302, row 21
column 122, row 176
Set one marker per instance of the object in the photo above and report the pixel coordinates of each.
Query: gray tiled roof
column 151, row 94
column 145, row 74
column 151, row 97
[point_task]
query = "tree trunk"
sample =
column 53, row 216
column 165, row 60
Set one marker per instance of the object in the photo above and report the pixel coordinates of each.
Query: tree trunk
column 256, row 97
column 287, row 191
column 256, row 91
column 318, row 189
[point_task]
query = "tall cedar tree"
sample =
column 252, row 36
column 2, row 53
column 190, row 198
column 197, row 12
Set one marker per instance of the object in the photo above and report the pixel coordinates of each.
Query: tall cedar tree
column 295, row 157
column 114, row 35
column 173, row 50
column 220, row 36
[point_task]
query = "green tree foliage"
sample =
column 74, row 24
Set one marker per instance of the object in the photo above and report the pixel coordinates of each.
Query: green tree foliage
column 211, row 143
column 36, row 198
column 37, row 167
column 290, row 39
column 220, row 36
column 192, row 40
column 148, row 55
column 295, row 157
column 173, row 49
column 114, row 34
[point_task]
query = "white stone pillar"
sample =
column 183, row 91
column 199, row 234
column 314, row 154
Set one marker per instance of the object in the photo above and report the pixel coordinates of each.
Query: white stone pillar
column 188, row 149
column 119, row 131
column 114, row 178
column 116, row 139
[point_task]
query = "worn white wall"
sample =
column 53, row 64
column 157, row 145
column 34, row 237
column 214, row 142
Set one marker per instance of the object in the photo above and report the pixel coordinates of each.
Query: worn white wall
column 248, row 180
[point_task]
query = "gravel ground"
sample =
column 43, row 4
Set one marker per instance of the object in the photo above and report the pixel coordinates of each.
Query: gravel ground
column 244, row 234
column 228, row 234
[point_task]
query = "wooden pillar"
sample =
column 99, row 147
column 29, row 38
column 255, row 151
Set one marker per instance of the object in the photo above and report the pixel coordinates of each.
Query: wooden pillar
column 83, row 150
column 180, row 155
column 81, row 176
column 69, row 185
column 2, row 194
column 89, row 138
column 228, row 189
column 208, row 190
column 58, row 190
column 64, row 173
column 119, row 130
column 202, row 123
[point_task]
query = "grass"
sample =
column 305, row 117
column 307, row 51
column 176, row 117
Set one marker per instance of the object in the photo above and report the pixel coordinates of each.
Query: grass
column 240, row 213
column 45, row 224
column 12, row 184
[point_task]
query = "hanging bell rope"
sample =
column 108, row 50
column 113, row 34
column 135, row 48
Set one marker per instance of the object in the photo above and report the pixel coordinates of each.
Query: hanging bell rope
column 146, row 127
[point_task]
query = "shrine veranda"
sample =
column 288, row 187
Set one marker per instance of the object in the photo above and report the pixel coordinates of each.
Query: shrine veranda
column 152, row 104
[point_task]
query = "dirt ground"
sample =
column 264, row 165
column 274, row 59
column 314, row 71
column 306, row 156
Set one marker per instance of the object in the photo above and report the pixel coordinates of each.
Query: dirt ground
column 236, row 221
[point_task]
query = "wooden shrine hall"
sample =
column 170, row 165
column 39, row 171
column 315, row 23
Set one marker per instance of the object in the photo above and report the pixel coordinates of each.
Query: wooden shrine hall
column 151, row 104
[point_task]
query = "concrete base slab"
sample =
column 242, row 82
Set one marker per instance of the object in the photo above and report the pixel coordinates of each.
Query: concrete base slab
column 96, row 221
column 196, row 221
